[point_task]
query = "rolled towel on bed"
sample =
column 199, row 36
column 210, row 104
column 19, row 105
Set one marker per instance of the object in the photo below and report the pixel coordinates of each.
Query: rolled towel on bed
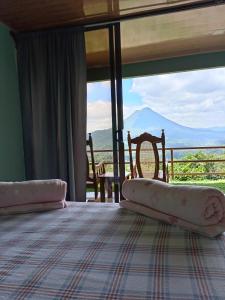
column 209, row 231
column 32, row 192
column 196, row 205
column 34, row 207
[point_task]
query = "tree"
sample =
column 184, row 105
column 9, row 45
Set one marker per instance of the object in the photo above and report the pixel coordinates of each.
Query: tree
column 199, row 167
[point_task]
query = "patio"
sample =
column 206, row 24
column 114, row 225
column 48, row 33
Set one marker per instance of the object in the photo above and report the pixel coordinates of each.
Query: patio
column 210, row 166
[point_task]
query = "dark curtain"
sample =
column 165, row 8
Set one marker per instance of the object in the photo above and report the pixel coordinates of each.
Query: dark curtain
column 52, row 77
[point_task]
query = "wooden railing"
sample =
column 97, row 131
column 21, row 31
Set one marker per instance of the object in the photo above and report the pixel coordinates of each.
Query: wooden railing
column 171, row 161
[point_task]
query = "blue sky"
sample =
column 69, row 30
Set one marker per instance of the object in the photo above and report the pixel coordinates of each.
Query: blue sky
column 194, row 99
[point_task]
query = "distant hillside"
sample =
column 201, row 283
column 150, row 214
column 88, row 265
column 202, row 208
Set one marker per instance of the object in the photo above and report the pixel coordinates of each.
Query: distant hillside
column 176, row 135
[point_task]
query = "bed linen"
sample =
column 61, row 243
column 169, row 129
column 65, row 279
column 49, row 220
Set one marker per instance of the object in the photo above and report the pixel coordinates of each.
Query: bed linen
column 102, row 251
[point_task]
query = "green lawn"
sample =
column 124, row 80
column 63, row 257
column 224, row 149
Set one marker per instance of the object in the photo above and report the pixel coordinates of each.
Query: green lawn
column 220, row 183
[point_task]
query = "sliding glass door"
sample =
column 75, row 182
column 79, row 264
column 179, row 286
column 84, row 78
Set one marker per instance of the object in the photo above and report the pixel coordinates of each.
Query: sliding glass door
column 104, row 105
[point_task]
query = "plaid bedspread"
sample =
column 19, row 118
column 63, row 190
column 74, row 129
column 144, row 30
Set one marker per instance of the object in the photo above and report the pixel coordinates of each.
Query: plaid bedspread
column 101, row 251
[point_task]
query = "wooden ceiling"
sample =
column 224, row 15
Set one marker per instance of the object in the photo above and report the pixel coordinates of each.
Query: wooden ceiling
column 177, row 34
column 28, row 15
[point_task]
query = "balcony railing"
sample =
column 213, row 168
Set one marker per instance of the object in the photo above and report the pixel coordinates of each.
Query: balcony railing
column 172, row 161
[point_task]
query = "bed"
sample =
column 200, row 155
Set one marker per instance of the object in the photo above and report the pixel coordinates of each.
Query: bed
column 101, row 251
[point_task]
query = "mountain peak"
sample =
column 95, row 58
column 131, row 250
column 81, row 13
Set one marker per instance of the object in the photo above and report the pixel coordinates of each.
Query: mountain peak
column 147, row 120
column 146, row 117
column 144, row 109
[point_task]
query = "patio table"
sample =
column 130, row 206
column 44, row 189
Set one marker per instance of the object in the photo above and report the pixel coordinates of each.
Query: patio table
column 106, row 181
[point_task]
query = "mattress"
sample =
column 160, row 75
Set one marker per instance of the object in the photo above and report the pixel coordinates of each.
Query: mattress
column 102, row 251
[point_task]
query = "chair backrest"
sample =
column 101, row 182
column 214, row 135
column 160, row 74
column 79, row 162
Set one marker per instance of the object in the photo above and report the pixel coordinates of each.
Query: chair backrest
column 147, row 158
column 89, row 144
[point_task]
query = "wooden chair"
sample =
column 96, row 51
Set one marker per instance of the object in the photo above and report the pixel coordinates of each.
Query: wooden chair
column 93, row 170
column 147, row 161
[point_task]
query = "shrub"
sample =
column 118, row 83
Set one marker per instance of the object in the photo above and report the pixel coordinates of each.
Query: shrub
column 199, row 167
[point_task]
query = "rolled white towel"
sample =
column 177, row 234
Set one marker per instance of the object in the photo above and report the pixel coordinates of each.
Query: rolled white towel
column 196, row 204
column 209, row 230
column 34, row 207
column 30, row 192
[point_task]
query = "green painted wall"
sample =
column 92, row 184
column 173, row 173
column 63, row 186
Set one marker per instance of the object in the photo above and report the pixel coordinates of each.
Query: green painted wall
column 11, row 140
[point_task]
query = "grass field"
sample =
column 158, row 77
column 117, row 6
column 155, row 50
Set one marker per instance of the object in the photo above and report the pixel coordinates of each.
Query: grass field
column 220, row 183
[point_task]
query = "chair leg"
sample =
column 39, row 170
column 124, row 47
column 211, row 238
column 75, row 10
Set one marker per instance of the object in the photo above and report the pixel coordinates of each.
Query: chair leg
column 96, row 192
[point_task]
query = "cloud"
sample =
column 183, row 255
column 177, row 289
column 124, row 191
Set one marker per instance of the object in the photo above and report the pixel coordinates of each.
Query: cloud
column 98, row 90
column 105, row 84
column 195, row 99
column 98, row 115
column 130, row 109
